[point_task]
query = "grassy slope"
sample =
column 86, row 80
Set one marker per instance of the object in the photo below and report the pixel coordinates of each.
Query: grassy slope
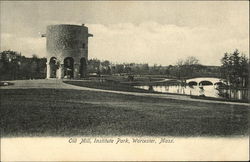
column 107, row 86
column 48, row 112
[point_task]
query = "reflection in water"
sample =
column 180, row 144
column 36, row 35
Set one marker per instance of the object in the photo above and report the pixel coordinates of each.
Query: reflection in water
column 208, row 90
column 241, row 94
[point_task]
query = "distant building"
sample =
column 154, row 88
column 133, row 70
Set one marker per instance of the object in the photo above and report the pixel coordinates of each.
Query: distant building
column 67, row 51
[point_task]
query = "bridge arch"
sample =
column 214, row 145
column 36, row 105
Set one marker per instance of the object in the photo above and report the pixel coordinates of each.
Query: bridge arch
column 192, row 83
column 205, row 82
column 219, row 83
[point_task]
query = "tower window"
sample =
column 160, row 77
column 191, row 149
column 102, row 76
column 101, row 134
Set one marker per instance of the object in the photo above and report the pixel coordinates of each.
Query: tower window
column 83, row 45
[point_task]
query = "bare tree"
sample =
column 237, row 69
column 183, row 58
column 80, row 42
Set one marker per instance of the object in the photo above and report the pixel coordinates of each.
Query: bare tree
column 191, row 60
column 186, row 67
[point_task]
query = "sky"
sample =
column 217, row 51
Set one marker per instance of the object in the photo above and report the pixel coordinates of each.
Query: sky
column 154, row 32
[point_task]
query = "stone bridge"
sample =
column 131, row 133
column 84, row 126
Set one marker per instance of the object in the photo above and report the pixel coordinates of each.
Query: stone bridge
column 204, row 81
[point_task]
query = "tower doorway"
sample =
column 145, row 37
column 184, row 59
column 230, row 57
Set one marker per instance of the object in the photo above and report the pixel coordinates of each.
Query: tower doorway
column 68, row 67
column 53, row 67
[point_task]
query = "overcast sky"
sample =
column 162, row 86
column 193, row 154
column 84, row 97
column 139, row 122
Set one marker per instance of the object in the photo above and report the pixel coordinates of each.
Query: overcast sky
column 144, row 32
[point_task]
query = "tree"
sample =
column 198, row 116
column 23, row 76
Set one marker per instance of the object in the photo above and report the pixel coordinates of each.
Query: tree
column 186, row 67
column 244, row 70
column 234, row 69
column 119, row 68
column 94, row 65
column 105, row 67
column 191, row 60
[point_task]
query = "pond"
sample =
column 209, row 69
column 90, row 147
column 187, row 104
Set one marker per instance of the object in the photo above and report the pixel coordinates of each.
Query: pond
column 208, row 90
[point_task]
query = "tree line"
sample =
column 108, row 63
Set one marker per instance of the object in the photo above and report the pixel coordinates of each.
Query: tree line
column 15, row 66
column 187, row 68
column 234, row 69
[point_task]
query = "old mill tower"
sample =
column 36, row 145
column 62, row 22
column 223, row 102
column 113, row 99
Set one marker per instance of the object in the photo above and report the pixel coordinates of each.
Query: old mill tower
column 67, row 51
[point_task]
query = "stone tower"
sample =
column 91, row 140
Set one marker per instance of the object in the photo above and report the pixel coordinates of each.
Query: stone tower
column 67, row 51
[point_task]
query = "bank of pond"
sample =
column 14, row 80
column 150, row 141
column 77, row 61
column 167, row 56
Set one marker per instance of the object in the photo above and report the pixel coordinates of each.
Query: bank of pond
column 207, row 88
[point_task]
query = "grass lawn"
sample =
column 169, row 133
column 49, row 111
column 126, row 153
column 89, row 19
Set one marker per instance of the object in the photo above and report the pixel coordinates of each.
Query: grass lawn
column 50, row 112
column 115, row 86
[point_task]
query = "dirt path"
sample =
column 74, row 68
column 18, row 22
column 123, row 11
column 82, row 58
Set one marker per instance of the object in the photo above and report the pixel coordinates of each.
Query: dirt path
column 58, row 84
